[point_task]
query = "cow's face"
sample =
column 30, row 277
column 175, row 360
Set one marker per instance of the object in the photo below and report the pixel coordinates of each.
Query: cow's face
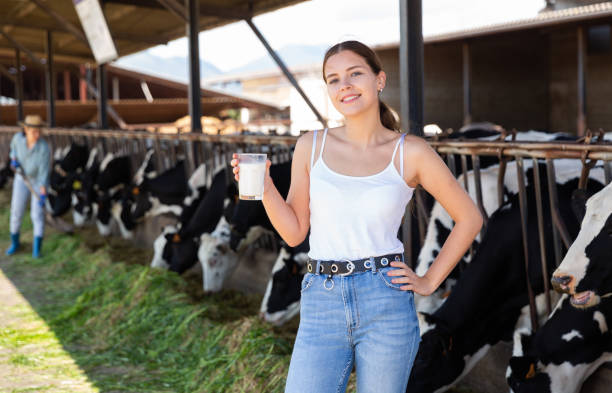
column 437, row 363
column 562, row 354
column 586, row 272
column 218, row 260
column 142, row 201
column 159, row 245
column 281, row 301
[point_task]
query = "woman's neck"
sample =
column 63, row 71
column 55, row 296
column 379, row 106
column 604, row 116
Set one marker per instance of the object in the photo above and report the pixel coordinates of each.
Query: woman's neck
column 362, row 129
column 30, row 142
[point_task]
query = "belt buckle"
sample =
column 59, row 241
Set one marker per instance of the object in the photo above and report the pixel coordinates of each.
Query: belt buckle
column 350, row 265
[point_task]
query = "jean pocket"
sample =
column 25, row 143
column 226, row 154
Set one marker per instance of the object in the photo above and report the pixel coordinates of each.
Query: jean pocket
column 382, row 274
column 307, row 281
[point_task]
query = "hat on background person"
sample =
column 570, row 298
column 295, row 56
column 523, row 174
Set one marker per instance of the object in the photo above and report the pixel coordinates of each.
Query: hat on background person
column 32, row 121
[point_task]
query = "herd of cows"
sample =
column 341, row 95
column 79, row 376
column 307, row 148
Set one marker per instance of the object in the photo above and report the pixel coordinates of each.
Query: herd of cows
column 483, row 302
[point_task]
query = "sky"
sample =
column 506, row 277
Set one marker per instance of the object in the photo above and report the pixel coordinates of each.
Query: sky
column 326, row 22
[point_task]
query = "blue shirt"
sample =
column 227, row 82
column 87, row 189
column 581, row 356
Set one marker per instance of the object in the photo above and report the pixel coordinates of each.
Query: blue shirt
column 34, row 161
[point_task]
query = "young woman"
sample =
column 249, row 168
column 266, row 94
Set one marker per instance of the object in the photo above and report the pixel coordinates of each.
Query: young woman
column 31, row 153
column 350, row 185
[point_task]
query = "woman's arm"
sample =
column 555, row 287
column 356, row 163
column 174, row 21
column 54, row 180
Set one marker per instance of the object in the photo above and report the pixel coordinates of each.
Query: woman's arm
column 290, row 218
column 430, row 171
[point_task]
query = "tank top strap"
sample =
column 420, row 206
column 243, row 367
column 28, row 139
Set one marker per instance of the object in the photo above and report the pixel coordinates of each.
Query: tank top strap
column 399, row 146
column 314, row 147
column 323, row 143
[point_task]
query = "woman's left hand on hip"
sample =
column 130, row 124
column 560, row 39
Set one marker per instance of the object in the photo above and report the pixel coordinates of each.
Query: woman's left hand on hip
column 412, row 282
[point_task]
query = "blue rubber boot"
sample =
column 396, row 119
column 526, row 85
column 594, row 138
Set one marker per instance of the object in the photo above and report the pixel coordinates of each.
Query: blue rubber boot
column 37, row 246
column 14, row 244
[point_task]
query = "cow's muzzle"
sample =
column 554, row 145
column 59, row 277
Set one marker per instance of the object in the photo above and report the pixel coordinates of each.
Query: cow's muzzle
column 584, row 299
column 563, row 283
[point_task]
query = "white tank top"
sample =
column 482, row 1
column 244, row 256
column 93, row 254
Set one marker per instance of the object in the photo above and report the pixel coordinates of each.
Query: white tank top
column 354, row 217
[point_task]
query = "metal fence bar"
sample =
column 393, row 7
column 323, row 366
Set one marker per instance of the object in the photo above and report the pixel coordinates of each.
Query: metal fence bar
column 538, row 197
column 524, row 229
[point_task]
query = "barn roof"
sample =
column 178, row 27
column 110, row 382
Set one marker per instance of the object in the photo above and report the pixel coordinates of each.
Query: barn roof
column 135, row 25
column 543, row 19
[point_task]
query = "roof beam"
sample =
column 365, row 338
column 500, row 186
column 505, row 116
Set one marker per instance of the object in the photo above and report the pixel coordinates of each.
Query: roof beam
column 175, row 8
column 66, row 24
column 4, row 71
column 61, row 29
column 205, row 10
column 17, row 45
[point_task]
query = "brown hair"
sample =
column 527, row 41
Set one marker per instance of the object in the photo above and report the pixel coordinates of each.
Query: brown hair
column 387, row 117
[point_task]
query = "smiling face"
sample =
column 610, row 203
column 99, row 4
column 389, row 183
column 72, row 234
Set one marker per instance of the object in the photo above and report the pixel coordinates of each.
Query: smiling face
column 351, row 84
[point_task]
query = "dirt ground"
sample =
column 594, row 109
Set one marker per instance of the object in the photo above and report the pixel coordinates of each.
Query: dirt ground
column 31, row 357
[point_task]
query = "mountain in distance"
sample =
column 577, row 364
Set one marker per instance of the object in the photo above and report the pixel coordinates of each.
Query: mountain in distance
column 291, row 55
column 175, row 68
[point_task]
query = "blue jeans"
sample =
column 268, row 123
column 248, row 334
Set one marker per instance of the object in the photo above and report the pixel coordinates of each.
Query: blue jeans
column 363, row 320
column 21, row 194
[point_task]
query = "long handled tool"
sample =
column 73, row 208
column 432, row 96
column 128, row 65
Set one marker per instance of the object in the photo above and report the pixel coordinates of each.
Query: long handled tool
column 55, row 222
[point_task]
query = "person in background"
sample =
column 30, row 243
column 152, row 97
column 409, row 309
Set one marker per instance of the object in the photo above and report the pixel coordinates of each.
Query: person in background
column 30, row 153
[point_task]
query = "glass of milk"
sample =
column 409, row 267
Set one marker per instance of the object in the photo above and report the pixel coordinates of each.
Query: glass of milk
column 252, row 171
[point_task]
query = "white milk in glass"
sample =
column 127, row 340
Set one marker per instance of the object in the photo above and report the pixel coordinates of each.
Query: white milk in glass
column 251, row 179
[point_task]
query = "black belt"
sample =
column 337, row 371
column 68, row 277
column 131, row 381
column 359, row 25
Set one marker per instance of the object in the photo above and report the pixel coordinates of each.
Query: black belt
column 345, row 266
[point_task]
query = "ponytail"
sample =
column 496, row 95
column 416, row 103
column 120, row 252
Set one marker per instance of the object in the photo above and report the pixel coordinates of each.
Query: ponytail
column 388, row 118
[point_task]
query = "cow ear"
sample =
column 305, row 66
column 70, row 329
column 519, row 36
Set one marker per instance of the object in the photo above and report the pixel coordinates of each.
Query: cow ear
column 531, row 372
column 522, row 367
column 579, row 198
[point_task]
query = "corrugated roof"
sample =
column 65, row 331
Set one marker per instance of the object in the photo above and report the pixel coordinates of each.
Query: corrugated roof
column 135, row 25
column 547, row 18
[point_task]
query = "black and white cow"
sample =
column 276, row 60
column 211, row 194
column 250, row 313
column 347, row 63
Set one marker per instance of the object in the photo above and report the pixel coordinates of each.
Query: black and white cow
column 562, row 353
column 281, row 301
column 114, row 176
column 5, row 173
column 440, row 223
column 68, row 164
column 83, row 195
column 220, row 256
column 576, row 339
column 485, row 304
column 178, row 247
column 161, row 194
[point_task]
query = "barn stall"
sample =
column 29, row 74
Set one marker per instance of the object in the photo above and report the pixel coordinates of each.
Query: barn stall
column 461, row 156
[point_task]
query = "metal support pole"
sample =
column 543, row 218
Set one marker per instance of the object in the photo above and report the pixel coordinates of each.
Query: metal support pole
column 102, row 97
column 524, row 226
column 467, row 84
column 478, row 186
column 194, row 65
column 581, row 126
column 19, row 86
column 541, row 236
column 286, row 71
column 411, row 66
column 50, row 78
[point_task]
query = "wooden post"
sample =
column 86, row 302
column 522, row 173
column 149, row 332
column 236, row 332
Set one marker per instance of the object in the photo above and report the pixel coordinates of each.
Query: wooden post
column 67, row 86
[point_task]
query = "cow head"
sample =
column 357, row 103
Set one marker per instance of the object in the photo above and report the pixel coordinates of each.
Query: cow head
column 83, row 195
column 160, row 194
column 159, row 245
column 281, row 301
column 586, row 273
column 437, row 363
column 560, row 355
column 218, row 260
